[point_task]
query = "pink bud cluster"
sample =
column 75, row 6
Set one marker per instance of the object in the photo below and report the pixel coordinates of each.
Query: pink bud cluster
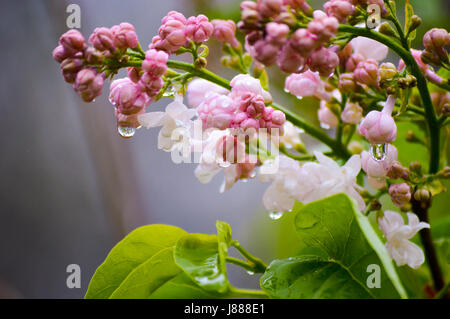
column 242, row 108
column 132, row 94
column 177, row 31
column 435, row 41
column 73, row 55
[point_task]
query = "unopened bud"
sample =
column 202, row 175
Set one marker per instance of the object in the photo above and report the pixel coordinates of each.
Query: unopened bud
column 200, row 63
column 416, row 167
column 387, row 71
column 410, row 136
column 416, row 21
column 428, row 57
column 445, row 173
column 407, row 82
column 347, row 83
column 397, row 171
column 355, row 148
column 386, row 29
column 286, row 18
column 422, row 195
column 374, row 205
column 400, row 194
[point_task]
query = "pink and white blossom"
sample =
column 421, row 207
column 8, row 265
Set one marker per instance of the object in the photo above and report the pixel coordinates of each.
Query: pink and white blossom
column 398, row 234
column 198, row 89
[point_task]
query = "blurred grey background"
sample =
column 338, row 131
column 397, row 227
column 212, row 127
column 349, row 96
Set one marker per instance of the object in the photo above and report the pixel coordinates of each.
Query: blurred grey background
column 70, row 186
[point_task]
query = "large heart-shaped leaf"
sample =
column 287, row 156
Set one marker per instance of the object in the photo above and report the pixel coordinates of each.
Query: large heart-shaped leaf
column 335, row 227
column 311, row 277
column 135, row 249
column 159, row 278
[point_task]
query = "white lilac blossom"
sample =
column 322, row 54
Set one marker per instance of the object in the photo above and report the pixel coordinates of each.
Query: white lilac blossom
column 311, row 182
column 177, row 115
column 397, row 234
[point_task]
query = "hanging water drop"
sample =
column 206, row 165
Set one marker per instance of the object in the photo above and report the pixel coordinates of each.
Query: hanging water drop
column 126, row 132
column 275, row 215
column 378, row 151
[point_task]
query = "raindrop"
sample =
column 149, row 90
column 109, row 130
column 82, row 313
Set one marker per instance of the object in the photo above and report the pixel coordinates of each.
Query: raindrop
column 253, row 174
column 126, row 132
column 244, row 180
column 251, row 273
column 378, row 152
column 325, row 126
column 275, row 215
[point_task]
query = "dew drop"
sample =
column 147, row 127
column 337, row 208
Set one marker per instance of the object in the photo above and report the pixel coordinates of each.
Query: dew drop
column 325, row 126
column 244, row 180
column 126, row 132
column 253, row 174
column 275, row 215
column 378, row 151
column 251, row 273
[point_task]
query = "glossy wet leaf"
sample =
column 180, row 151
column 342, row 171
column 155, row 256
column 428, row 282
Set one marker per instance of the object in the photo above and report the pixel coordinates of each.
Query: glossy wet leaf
column 311, row 277
column 198, row 255
column 134, row 250
column 159, row 278
column 335, row 226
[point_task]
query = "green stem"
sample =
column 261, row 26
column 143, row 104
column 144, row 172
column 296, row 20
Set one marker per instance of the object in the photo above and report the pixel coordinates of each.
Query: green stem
column 444, row 292
column 432, row 120
column 246, row 293
column 290, row 116
column 259, row 265
column 241, row 263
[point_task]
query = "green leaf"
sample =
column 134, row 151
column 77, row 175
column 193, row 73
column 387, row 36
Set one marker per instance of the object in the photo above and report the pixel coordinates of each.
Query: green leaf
column 335, row 226
column 264, row 79
column 311, row 277
column 134, row 250
column 224, row 233
column 198, row 255
column 409, row 12
column 159, row 278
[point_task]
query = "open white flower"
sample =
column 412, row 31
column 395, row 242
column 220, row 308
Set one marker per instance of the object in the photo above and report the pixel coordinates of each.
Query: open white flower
column 176, row 116
column 280, row 196
column 397, row 234
column 326, row 178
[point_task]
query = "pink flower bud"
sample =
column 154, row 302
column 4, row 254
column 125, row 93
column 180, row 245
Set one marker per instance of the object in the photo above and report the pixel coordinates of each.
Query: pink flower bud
column 244, row 83
column 155, row 62
column 134, row 74
column 265, row 52
column 249, row 17
column 326, row 117
column 347, row 83
column 251, row 104
column 323, row 26
column 352, row 113
column 102, row 39
column 60, row 54
column 366, row 72
column 269, row 8
column 172, row 31
column 224, row 31
column 400, row 194
column 127, row 97
column 88, row 84
column 298, row 4
column 379, row 169
column 124, row 36
column 344, row 54
column 304, row 42
column 72, row 41
column 340, row 9
column 353, row 61
column 289, row 60
column 276, row 33
column 198, row 89
column 70, row 68
column 272, row 119
column 199, row 29
column 379, row 127
column 323, row 61
column 216, row 111
column 150, row 84
column 305, row 84
column 128, row 120
column 93, row 56
column 435, row 40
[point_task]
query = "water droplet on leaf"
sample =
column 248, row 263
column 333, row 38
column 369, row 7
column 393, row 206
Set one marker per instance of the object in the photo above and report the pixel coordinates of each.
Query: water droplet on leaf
column 251, row 273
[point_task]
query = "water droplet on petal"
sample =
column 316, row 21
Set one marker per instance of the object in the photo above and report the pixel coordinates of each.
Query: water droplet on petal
column 126, row 132
column 244, row 180
column 325, row 126
column 275, row 215
column 253, row 174
column 378, row 151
